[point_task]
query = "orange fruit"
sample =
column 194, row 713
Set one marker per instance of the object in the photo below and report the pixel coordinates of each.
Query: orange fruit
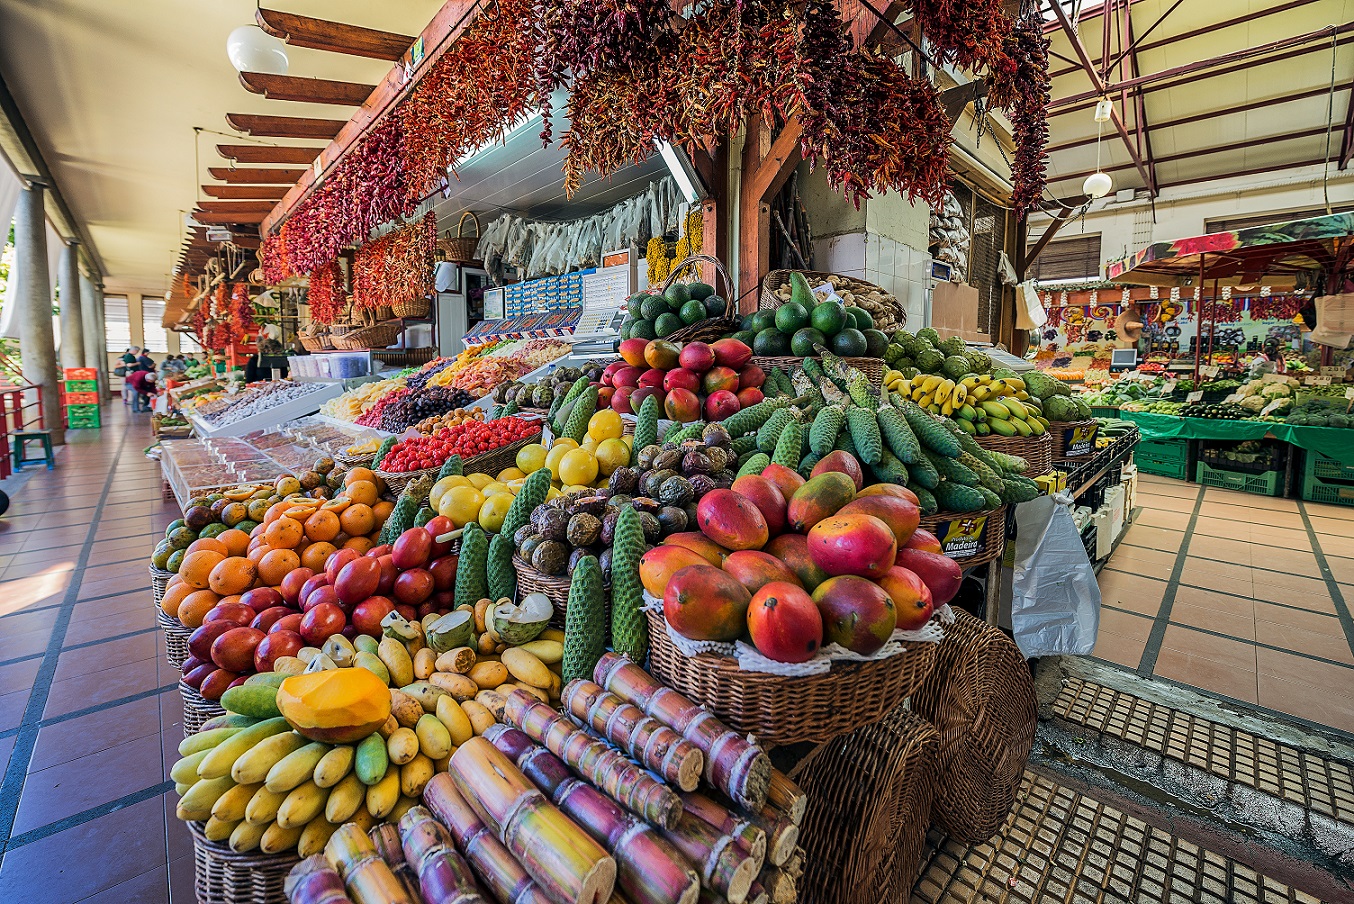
column 197, row 567
column 275, row 511
column 195, row 607
column 382, row 511
column 357, row 519
column 233, row 575
column 357, row 474
column 212, row 543
column 236, row 541
column 361, row 544
column 176, row 579
column 284, row 533
column 174, row 596
column 315, row 555
column 363, row 491
column 275, row 565
column 256, row 554
column 323, row 525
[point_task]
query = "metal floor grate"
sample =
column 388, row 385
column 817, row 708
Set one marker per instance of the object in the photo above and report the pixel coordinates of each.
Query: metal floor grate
column 1305, row 778
column 1060, row 845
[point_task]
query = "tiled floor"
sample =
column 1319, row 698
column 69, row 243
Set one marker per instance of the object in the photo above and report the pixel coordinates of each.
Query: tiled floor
column 1237, row 595
column 89, row 710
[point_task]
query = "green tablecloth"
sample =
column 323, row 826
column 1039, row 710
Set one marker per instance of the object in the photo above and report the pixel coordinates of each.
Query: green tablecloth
column 1332, row 442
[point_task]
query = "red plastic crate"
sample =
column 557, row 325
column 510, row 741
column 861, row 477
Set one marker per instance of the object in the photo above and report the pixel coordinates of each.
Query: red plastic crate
column 82, row 398
column 82, row 373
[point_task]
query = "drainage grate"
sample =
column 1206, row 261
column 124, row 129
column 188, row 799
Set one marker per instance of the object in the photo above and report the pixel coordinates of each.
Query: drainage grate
column 1059, row 845
column 1305, row 778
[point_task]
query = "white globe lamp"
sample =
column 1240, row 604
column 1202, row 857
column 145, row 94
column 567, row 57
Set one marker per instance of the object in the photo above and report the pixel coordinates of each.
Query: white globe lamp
column 1097, row 185
column 251, row 49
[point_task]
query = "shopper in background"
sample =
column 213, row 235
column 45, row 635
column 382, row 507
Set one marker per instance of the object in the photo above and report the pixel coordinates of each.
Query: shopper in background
column 143, row 381
column 125, row 371
column 145, row 360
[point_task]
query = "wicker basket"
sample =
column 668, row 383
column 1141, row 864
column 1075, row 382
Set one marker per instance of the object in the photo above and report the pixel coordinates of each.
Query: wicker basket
column 197, row 710
column 785, row 710
column 159, row 581
column 396, row 481
column 981, row 700
column 354, row 461
column 412, row 308
column 505, row 457
column 872, row 368
column 370, row 337
column 1037, row 450
column 706, row 330
column 321, row 343
column 222, row 876
column 991, row 546
column 531, row 580
column 769, row 300
column 1061, row 430
column 176, row 638
column 869, row 806
column 461, row 248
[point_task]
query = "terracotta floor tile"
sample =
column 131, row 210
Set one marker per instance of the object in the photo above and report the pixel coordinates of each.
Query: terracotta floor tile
column 38, row 620
column 181, row 879
column 1235, row 654
column 1129, row 591
column 1221, row 576
column 1201, row 598
column 55, row 538
column 107, row 605
column 1334, row 678
column 1241, row 627
column 148, row 888
column 86, row 859
column 1316, row 704
column 1282, row 537
column 29, row 564
column 33, row 592
column 6, row 749
column 1300, row 562
column 1318, row 601
column 1263, row 581
column 97, row 627
column 1154, row 538
column 1336, row 546
column 1290, row 637
column 1199, row 671
column 1314, row 622
column 1251, row 515
column 1125, row 624
column 1341, row 568
column 1328, row 526
column 1221, row 527
column 180, row 842
column 12, row 706
column 1249, row 500
column 105, row 655
column 18, row 676
column 1125, row 651
column 72, row 739
column 1175, row 520
column 1321, row 510
column 28, row 643
column 92, row 588
column 1221, row 549
column 1154, row 563
column 72, row 694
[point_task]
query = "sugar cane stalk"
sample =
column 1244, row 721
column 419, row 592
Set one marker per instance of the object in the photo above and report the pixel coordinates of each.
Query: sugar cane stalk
column 786, row 796
column 779, row 886
column 559, row 856
column 314, row 881
column 443, row 875
column 723, row 865
column 594, row 761
column 648, row 868
column 645, row 739
column 733, row 764
column 386, row 838
column 757, row 894
column 492, row 862
column 749, row 836
column 368, row 877
column 781, row 834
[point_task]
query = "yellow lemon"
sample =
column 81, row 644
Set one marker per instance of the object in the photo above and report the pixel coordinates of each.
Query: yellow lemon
column 493, row 511
column 531, row 458
column 563, row 442
column 461, row 504
column 605, row 424
column 589, row 445
column 612, row 454
column 552, row 493
column 578, row 467
column 496, row 488
column 552, row 460
column 438, row 490
column 510, row 474
column 479, row 481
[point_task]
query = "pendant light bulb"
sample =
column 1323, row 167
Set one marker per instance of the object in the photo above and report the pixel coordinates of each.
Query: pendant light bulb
column 251, row 49
column 1097, row 185
column 1103, row 108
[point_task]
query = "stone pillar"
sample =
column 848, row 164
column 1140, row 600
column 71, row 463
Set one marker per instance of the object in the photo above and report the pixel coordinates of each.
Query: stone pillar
column 89, row 311
column 101, row 332
column 37, row 345
column 72, row 307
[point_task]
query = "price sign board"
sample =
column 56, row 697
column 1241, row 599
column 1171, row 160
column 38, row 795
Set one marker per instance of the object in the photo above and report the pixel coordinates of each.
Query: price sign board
column 962, row 538
column 1332, row 370
column 1209, row 371
column 1321, row 381
column 1195, row 396
column 1273, row 378
column 1273, row 406
column 1168, row 387
column 1349, row 393
column 1079, row 440
column 1234, row 397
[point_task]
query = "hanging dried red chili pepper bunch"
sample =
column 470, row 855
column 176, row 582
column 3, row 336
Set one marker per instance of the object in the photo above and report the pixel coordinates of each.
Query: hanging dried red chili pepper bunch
column 1018, row 82
column 273, row 258
column 325, row 294
column 241, row 310
column 200, row 324
column 397, row 267
column 967, row 33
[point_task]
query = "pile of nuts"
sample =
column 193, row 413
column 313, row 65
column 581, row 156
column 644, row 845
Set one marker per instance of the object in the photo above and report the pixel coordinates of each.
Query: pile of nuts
column 430, row 425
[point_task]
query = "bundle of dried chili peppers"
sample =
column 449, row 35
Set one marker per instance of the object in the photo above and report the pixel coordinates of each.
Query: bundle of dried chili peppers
column 273, row 257
column 325, row 295
column 1019, row 83
column 241, row 309
column 397, row 267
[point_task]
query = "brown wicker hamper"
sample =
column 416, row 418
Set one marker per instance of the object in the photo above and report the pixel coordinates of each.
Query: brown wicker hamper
column 980, row 698
column 222, row 876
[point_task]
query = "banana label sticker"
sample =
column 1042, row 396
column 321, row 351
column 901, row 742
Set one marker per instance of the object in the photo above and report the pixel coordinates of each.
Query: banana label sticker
column 1079, row 440
column 962, row 537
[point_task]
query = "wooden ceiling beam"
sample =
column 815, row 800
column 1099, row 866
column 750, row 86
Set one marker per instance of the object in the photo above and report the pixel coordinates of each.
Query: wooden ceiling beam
column 334, row 37
column 246, row 192
column 283, row 126
column 260, row 176
column 257, row 153
column 306, row 90
column 235, row 206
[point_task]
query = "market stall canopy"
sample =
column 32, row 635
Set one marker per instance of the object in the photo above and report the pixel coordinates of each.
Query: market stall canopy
column 1276, row 255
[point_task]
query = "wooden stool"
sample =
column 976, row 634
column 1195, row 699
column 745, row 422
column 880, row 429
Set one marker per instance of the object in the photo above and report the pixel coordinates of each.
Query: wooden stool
column 21, row 440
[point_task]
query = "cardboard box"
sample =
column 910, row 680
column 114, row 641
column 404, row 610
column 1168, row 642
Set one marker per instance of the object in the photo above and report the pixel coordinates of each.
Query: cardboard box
column 954, row 312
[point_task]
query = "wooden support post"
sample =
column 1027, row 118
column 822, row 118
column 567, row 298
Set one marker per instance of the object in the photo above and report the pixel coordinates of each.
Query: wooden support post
column 767, row 165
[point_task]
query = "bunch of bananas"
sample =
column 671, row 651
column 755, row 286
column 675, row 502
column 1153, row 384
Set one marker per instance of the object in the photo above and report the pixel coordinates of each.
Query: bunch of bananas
column 979, row 403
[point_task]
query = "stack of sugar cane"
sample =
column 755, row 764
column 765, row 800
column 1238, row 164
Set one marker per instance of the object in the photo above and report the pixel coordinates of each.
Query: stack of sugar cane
column 636, row 795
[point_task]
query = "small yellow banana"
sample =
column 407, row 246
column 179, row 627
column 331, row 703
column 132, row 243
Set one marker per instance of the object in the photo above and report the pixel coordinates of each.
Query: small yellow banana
column 926, row 400
column 943, row 391
column 960, row 395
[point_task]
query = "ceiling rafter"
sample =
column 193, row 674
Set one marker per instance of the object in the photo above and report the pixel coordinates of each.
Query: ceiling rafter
column 246, row 192
column 1144, row 135
column 261, row 176
column 261, row 126
column 1347, row 135
column 306, row 90
column 258, row 153
column 235, row 206
column 333, row 37
column 207, row 218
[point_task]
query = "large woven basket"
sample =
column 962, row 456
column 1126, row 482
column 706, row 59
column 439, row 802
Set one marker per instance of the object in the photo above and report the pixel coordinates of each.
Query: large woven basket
column 222, row 876
column 380, row 335
column 989, row 548
column 504, row 457
column 980, row 698
column 1061, row 431
column 788, row 710
column 460, row 249
column 712, row 328
column 354, row 461
column 869, row 805
column 1037, row 450
column 396, row 481
column 197, row 710
column 769, row 300
column 412, row 308
column 556, row 589
column 176, row 638
column 159, row 580
column 321, row 343
column 872, row 368
column 706, row 330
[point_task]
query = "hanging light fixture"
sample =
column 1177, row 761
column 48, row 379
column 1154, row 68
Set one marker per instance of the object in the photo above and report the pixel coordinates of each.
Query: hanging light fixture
column 1098, row 184
column 251, row 49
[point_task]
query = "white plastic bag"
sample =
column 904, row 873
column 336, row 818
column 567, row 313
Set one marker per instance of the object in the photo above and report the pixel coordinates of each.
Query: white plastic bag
column 1055, row 600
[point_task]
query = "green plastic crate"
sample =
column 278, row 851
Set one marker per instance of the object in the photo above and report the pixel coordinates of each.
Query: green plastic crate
column 82, row 415
column 1104, row 411
column 1148, row 463
column 1314, row 489
column 1324, row 468
column 1265, row 483
column 82, row 385
column 1164, row 449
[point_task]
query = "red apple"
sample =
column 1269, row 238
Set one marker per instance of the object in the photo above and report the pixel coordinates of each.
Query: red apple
column 368, row 614
column 722, row 404
column 750, row 396
column 436, row 527
column 412, row 549
column 292, row 584
column 273, row 647
column 321, row 623
column 681, row 378
column 265, row 620
column 683, row 405
column 751, row 377
column 445, row 600
column 290, row 622
column 697, row 356
column 720, row 378
column 413, row 586
column 620, row 400
column 443, row 571
column 337, row 559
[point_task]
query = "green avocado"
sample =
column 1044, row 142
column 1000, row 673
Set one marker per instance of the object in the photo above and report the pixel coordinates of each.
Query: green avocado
column 829, row 318
column 667, row 324
column 860, row 318
column 802, row 342
column 677, row 295
column 790, row 317
column 770, row 343
column 745, row 336
column 763, row 320
column 652, row 306
column 700, row 291
column 849, row 343
column 875, row 343
column 643, row 329
column 692, row 312
column 715, row 306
